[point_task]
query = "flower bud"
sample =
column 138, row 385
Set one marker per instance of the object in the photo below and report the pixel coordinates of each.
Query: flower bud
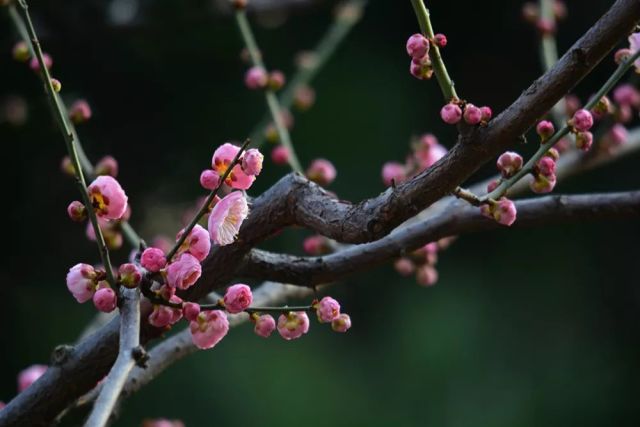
column 57, row 86
column 105, row 300
column 486, row 113
column 107, row 166
column 509, row 163
column 190, row 311
column 393, row 172
column 293, row 325
column 582, row 120
column 238, row 298
column 584, row 141
column 265, row 325
column 404, row 266
column 76, row 211
column 304, row 98
column 252, row 162
column 541, row 184
column 276, row 80
column 417, row 46
column 21, row 52
column 427, row 275
column 472, row 114
column 80, row 111
column 322, row 172
column 256, row 78
column 34, row 64
column 440, row 40
column 342, row 323
column 129, row 275
column 280, row 155
column 153, row 259
column 545, row 129
column 327, row 310
column 421, row 68
column 316, row 245
column 451, row 113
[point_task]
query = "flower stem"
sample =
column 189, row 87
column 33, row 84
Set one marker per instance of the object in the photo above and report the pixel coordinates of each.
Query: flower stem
column 549, row 55
column 445, row 82
column 70, row 143
column 270, row 96
column 528, row 167
column 205, row 206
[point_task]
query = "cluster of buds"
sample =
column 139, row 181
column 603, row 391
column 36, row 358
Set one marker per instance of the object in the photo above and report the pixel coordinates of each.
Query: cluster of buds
column 418, row 47
column 257, row 78
column 531, row 13
column 242, row 174
column 455, row 111
column 422, row 262
column 425, row 151
column 580, row 124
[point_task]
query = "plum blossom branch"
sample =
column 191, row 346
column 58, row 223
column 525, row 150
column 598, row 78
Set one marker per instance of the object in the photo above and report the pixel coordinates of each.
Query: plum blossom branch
column 545, row 146
column 129, row 344
column 308, row 271
column 424, row 19
column 270, row 96
column 346, row 18
column 70, row 142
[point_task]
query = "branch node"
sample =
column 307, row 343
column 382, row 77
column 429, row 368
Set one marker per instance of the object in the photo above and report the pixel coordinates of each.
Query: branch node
column 61, row 354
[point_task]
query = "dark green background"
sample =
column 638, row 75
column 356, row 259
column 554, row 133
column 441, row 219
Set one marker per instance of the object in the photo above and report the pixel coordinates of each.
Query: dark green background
column 524, row 328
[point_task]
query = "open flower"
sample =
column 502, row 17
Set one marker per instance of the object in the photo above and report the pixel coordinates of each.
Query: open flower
column 226, row 218
column 209, row 328
column 221, row 161
column 107, row 197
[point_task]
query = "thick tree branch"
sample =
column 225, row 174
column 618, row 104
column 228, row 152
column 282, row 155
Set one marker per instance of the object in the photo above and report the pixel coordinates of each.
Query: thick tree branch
column 308, row 271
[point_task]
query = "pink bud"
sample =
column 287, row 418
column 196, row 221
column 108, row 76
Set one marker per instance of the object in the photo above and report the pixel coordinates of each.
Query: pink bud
column 427, row 275
column 276, row 80
column 184, row 272
column 153, row 259
column 421, row 68
column 293, row 325
column 417, row 46
column 572, row 104
column 190, row 311
column 492, row 185
column 198, row 243
column 209, row 328
column 546, row 166
column 342, row 323
column 209, row 179
column 509, row 163
column 76, row 211
column 80, row 112
column 238, row 298
column 322, row 172
column 56, row 85
column 30, row 375
column 584, row 141
column 327, row 310
column 256, row 78
column 545, row 129
column 486, row 113
column 502, row 211
column 105, row 300
column 315, row 245
column 129, row 275
column 280, row 155
column 546, row 26
column 404, row 266
column 252, row 162
column 472, row 114
column 451, row 113
column 622, row 55
column 108, row 165
column 21, row 52
column 304, row 98
column 82, row 281
column 34, row 64
column 108, row 198
column 541, row 184
column 618, row 134
column 440, row 40
column 393, row 172
column 626, row 94
column 265, row 325
column 582, row 120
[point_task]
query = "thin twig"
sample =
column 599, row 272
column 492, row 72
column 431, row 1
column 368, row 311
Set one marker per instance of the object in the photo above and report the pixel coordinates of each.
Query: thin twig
column 549, row 54
column 129, row 341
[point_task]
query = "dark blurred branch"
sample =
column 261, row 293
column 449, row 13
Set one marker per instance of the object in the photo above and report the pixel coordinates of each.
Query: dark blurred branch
column 543, row 211
column 293, row 200
column 129, row 344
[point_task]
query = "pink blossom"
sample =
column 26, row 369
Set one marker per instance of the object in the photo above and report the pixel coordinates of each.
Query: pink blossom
column 265, row 325
column 153, row 259
column 238, row 298
column 417, row 46
column 107, row 165
column 209, row 328
column 276, row 80
column 634, row 46
column 546, row 166
column 129, row 275
column 197, row 244
column 82, row 281
column 30, row 375
column 618, row 134
column 80, row 111
column 162, row 422
column 34, row 64
column 472, row 114
column 327, row 310
column 582, row 120
column 393, row 172
column 190, row 311
column 256, row 78
column 315, row 245
column 322, row 172
column 509, row 163
column 492, row 185
column 184, row 272
column 427, row 156
column 541, row 184
column 503, row 211
column 280, row 155
column 304, row 98
column 440, row 39
column 293, row 325
column 430, row 251
column 426, row 275
column 209, row 179
column 404, row 266
column 226, row 218
column 626, row 94
column 342, row 323
column 164, row 315
column 105, row 299
column 107, row 197
column 486, row 113
column 545, row 129
column 220, row 162
column 451, row 113
column 421, row 68
column 252, row 162
column 76, row 211
column 584, row 140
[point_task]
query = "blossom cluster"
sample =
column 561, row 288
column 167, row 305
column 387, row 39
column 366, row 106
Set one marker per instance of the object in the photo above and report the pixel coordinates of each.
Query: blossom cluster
column 418, row 47
column 425, row 151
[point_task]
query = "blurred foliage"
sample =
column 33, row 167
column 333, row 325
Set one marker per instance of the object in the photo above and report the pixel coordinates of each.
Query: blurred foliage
column 524, row 328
